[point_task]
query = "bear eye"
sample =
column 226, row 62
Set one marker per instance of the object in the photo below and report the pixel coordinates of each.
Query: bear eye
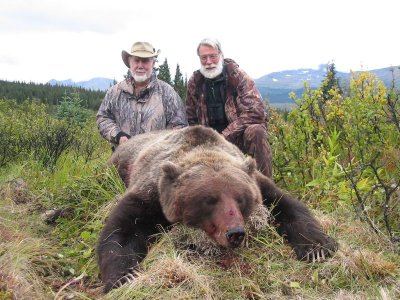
column 241, row 201
column 210, row 201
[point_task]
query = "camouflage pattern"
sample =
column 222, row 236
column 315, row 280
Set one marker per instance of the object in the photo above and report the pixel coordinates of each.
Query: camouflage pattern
column 157, row 107
column 244, row 110
column 243, row 104
column 255, row 143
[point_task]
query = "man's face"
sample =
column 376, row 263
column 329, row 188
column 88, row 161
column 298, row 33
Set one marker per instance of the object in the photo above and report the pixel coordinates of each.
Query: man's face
column 141, row 68
column 211, row 61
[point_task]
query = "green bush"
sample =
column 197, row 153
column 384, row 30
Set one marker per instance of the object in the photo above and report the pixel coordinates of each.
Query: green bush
column 17, row 125
column 10, row 146
column 72, row 109
column 88, row 143
column 28, row 130
column 51, row 139
column 345, row 149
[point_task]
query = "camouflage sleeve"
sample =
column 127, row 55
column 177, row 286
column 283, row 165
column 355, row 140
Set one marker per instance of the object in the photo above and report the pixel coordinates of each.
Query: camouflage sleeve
column 105, row 118
column 191, row 103
column 250, row 107
column 176, row 116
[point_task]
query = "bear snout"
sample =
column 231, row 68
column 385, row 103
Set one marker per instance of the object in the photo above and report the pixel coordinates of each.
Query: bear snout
column 235, row 236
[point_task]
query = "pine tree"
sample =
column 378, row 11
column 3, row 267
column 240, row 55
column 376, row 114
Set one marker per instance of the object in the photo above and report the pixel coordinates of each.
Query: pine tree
column 163, row 72
column 180, row 84
column 72, row 109
column 330, row 82
column 329, row 88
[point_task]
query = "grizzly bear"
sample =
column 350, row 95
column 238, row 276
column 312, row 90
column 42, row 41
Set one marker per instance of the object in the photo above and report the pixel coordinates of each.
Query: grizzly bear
column 195, row 177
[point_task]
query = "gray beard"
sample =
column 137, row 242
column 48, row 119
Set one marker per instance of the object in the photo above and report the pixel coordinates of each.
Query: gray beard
column 210, row 74
column 141, row 78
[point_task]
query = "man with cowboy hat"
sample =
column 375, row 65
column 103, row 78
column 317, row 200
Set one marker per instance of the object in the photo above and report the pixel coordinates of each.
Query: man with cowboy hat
column 141, row 102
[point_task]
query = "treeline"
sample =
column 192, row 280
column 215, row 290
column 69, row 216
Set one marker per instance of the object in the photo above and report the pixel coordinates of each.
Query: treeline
column 179, row 83
column 50, row 95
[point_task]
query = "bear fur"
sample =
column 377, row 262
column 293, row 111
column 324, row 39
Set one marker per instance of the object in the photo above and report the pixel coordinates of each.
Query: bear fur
column 195, row 177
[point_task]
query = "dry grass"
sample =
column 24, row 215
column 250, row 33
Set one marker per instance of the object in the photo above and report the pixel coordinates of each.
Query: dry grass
column 27, row 268
column 168, row 277
column 185, row 264
column 28, row 264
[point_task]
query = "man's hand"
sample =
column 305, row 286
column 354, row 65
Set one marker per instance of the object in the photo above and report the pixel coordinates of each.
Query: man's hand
column 123, row 139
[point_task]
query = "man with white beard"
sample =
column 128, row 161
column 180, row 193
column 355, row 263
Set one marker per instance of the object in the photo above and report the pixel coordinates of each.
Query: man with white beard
column 141, row 102
column 222, row 96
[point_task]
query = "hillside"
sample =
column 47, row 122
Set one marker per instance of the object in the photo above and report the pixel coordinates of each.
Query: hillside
column 275, row 86
column 97, row 83
column 56, row 193
column 49, row 94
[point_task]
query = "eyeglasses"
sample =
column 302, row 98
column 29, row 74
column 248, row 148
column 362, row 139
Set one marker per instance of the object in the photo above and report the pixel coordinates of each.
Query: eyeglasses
column 213, row 57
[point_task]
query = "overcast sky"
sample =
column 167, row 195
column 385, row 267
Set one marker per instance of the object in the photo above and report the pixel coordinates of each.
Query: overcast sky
column 76, row 39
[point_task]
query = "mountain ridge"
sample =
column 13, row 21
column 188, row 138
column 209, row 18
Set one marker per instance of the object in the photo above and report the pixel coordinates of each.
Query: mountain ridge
column 96, row 83
column 275, row 86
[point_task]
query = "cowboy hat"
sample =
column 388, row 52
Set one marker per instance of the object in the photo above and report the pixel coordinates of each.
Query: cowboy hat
column 139, row 49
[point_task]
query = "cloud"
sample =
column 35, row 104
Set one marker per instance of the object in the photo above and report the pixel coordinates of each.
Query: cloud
column 44, row 39
column 71, row 16
column 8, row 60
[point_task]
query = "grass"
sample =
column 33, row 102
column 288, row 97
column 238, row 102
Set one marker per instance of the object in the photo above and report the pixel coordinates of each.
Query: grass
column 40, row 260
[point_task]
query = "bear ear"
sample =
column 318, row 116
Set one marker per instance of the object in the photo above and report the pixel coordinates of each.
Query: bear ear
column 249, row 165
column 170, row 205
column 171, row 170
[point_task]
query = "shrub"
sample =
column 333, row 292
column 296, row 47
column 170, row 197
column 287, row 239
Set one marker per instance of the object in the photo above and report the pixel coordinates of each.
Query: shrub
column 344, row 148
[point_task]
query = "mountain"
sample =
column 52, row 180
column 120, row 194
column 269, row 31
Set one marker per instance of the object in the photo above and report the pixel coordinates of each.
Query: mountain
column 97, row 83
column 275, row 86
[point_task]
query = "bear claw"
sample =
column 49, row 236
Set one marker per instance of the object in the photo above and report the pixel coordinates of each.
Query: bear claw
column 316, row 256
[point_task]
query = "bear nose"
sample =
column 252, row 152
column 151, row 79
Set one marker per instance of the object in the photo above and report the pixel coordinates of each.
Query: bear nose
column 235, row 236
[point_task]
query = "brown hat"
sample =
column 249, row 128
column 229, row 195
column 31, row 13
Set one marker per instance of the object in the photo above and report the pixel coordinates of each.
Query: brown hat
column 139, row 49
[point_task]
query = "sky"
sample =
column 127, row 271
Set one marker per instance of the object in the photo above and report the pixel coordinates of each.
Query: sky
column 42, row 40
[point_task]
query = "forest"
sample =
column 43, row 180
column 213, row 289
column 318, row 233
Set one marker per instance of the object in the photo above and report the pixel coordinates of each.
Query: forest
column 337, row 150
column 52, row 95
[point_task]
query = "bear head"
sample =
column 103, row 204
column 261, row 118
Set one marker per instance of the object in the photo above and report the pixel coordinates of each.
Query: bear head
column 212, row 194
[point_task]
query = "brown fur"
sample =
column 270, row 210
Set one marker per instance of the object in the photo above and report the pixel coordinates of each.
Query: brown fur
column 195, row 177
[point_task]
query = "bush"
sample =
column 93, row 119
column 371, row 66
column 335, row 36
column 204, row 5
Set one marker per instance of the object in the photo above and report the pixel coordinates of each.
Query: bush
column 51, row 139
column 27, row 129
column 345, row 149
column 73, row 110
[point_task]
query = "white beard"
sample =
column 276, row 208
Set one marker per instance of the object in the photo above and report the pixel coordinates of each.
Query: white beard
column 217, row 69
column 141, row 78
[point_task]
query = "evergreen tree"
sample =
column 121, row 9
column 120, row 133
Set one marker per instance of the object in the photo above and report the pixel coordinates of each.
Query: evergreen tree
column 180, row 84
column 330, row 82
column 48, row 94
column 72, row 109
column 329, row 90
column 163, row 72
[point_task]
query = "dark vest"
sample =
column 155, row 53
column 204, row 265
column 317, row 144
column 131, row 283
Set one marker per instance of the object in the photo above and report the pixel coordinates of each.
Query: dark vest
column 227, row 84
column 215, row 97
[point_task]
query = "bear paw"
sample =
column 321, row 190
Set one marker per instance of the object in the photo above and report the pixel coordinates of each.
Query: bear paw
column 126, row 279
column 316, row 251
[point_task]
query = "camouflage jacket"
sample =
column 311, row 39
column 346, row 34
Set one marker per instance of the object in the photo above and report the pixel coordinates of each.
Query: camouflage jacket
column 157, row 107
column 243, row 102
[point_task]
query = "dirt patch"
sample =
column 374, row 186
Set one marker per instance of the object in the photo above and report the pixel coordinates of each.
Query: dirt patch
column 229, row 261
column 7, row 236
column 17, row 190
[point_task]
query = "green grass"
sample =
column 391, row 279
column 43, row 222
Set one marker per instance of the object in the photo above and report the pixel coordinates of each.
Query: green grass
column 57, row 261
